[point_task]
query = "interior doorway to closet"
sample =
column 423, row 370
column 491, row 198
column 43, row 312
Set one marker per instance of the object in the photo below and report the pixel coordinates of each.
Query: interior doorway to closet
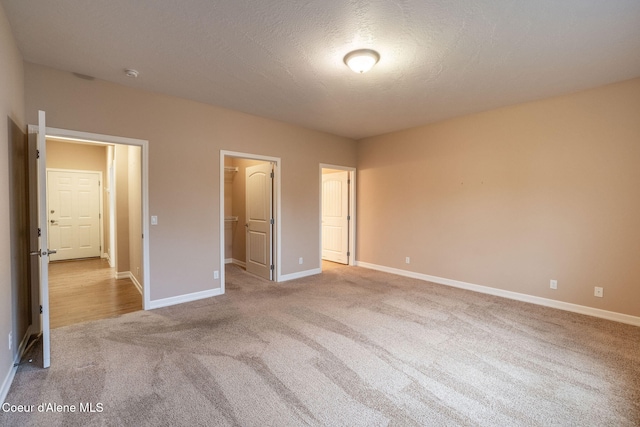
column 337, row 215
column 250, row 213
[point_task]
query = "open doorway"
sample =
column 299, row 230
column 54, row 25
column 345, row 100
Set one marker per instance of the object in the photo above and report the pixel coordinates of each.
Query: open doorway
column 250, row 214
column 337, row 215
column 94, row 217
column 38, row 218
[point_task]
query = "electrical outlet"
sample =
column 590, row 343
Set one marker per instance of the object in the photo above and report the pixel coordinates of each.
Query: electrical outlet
column 598, row 292
column 10, row 340
column 407, row 260
column 216, row 274
column 300, row 260
column 553, row 284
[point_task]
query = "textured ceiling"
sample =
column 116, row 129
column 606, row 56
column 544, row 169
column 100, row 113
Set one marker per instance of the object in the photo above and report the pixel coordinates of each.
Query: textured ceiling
column 282, row 59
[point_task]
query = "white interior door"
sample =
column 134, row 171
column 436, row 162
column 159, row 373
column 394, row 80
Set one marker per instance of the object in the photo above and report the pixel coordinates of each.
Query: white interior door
column 43, row 239
column 259, row 216
column 335, row 217
column 74, row 214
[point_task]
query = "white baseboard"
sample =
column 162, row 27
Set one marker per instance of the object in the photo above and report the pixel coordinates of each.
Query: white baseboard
column 238, row 262
column 6, row 384
column 575, row 308
column 129, row 275
column 165, row 302
column 8, row 380
column 122, row 275
column 136, row 283
column 300, row 274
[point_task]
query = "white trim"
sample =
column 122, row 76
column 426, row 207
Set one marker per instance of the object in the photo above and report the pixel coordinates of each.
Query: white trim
column 546, row 302
column 129, row 275
column 106, row 256
column 278, row 209
column 136, row 284
column 352, row 210
column 180, row 299
column 300, row 274
column 8, row 380
column 228, row 261
column 6, row 384
column 94, row 138
column 239, row 263
column 122, row 275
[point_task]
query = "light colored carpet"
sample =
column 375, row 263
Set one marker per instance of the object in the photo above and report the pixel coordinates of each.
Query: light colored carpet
column 350, row 347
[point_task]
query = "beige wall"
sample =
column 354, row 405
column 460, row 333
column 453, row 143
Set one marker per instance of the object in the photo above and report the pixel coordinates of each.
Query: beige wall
column 122, row 208
column 134, row 183
column 514, row 197
column 185, row 139
column 64, row 155
column 11, row 108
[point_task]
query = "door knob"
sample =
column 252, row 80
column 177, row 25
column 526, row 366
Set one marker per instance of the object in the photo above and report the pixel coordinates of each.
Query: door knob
column 44, row 253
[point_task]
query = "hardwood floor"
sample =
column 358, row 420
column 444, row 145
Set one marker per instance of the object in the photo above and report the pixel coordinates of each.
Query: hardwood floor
column 87, row 290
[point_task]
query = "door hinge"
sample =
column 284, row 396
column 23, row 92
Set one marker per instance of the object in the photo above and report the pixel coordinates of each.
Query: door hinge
column 37, row 154
column 40, row 309
column 348, row 217
column 271, row 267
column 39, row 232
column 348, row 181
column 271, row 221
column 348, row 253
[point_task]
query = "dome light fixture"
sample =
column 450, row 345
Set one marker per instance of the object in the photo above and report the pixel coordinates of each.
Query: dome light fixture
column 130, row 72
column 361, row 60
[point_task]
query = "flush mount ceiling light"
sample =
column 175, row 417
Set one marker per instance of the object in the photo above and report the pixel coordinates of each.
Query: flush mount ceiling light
column 361, row 60
column 129, row 72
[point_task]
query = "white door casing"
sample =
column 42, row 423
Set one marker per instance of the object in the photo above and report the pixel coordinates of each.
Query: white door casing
column 74, row 208
column 259, row 217
column 335, row 217
column 99, row 139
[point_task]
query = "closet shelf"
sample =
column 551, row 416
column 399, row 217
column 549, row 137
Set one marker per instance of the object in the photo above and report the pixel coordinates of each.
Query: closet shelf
column 231, row 218
column 231, row 169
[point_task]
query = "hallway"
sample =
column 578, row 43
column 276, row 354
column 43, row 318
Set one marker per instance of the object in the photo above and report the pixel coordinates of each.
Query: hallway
column 85, row 290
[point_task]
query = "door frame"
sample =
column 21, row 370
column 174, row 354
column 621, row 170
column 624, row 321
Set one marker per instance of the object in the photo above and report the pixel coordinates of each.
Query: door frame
column 352, row 210
column 277, row 162
column 101, row 139
column 100, row 203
